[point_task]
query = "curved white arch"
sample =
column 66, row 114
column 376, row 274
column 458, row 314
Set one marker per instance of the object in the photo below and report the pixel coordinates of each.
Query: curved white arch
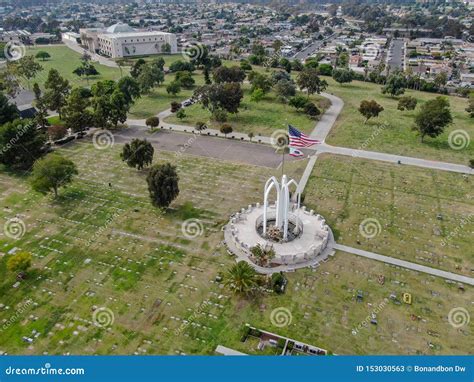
column 272, row 182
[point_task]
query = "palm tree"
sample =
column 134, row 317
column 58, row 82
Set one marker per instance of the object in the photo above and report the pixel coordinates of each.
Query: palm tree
column 241, row 278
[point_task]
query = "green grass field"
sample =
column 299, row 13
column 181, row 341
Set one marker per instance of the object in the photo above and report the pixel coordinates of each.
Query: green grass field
column 158, row 99
column 420, row 212
column 260, row 118
column 101, row 246
column 397, row 136
column 65, row 60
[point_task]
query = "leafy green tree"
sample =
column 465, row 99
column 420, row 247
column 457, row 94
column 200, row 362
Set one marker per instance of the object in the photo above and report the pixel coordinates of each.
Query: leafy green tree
column 153, row 122
column 163, row 184
column 87, row 70
column 309, row 79
column 244, row 65
column 433, row 117
column 130, row 88
column 181, row 114
column 43, row 55
column 241, row 278
column 149, row 77
column 19, row 262
column 260, row 81
column 136, row 68
column 180, row 66
column 441, row 79
column 311, row 110
column 138, row 153
column 298, row 102
column 226, row 129
column 27, row 68
column 395, row 85
column 57, row 90
column 370, row 109
column 185, row 79
column 76, row 113
column 109, row 104
column 21, row 142
column 52, row 172
column 9, row 83
column 8, row 111
column 173, row 88
column 285, row 88
column 41, row 116
column 228, row 74
column 226, row 96
column 407, row 103
column 257, row 95
column 342, row 75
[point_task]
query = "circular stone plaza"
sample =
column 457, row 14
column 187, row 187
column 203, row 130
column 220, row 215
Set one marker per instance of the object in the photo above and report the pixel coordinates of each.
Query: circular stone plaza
column 296, row 237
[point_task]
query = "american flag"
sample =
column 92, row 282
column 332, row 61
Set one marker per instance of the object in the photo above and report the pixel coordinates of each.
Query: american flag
column 295, row 152
column 299, row 139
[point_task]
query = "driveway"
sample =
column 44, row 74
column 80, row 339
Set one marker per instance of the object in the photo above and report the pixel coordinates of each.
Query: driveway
column 219, row 148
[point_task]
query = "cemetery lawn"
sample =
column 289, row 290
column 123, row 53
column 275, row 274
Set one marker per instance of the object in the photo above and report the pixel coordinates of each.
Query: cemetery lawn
column 100, row 246
column 260, row 118
column 397, row 137
column 65, row 60
column 425, row 215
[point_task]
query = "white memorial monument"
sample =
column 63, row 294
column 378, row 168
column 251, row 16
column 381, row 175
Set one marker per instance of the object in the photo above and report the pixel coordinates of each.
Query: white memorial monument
column 297, row 236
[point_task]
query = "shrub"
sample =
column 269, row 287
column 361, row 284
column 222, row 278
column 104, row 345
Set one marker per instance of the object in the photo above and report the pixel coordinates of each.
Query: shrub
column 226, row 129
column 311, row 109
column 152, row 122
column 175, row 106
column 219, row 115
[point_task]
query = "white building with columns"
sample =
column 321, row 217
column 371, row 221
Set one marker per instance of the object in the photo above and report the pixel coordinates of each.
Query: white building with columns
column 121, row 40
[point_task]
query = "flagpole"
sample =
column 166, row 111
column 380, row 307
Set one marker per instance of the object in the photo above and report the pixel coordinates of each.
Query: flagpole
column 282, row 161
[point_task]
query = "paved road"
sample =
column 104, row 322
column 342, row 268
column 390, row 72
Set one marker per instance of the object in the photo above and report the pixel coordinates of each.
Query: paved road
column 324, row 125
column 406, row 264
column 95, row 57
column 224, row 149
column 311, row 49
column 397, row 59
column 424, row 163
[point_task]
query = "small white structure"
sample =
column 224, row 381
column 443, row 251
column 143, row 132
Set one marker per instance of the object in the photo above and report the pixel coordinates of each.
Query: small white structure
column 282, row 203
